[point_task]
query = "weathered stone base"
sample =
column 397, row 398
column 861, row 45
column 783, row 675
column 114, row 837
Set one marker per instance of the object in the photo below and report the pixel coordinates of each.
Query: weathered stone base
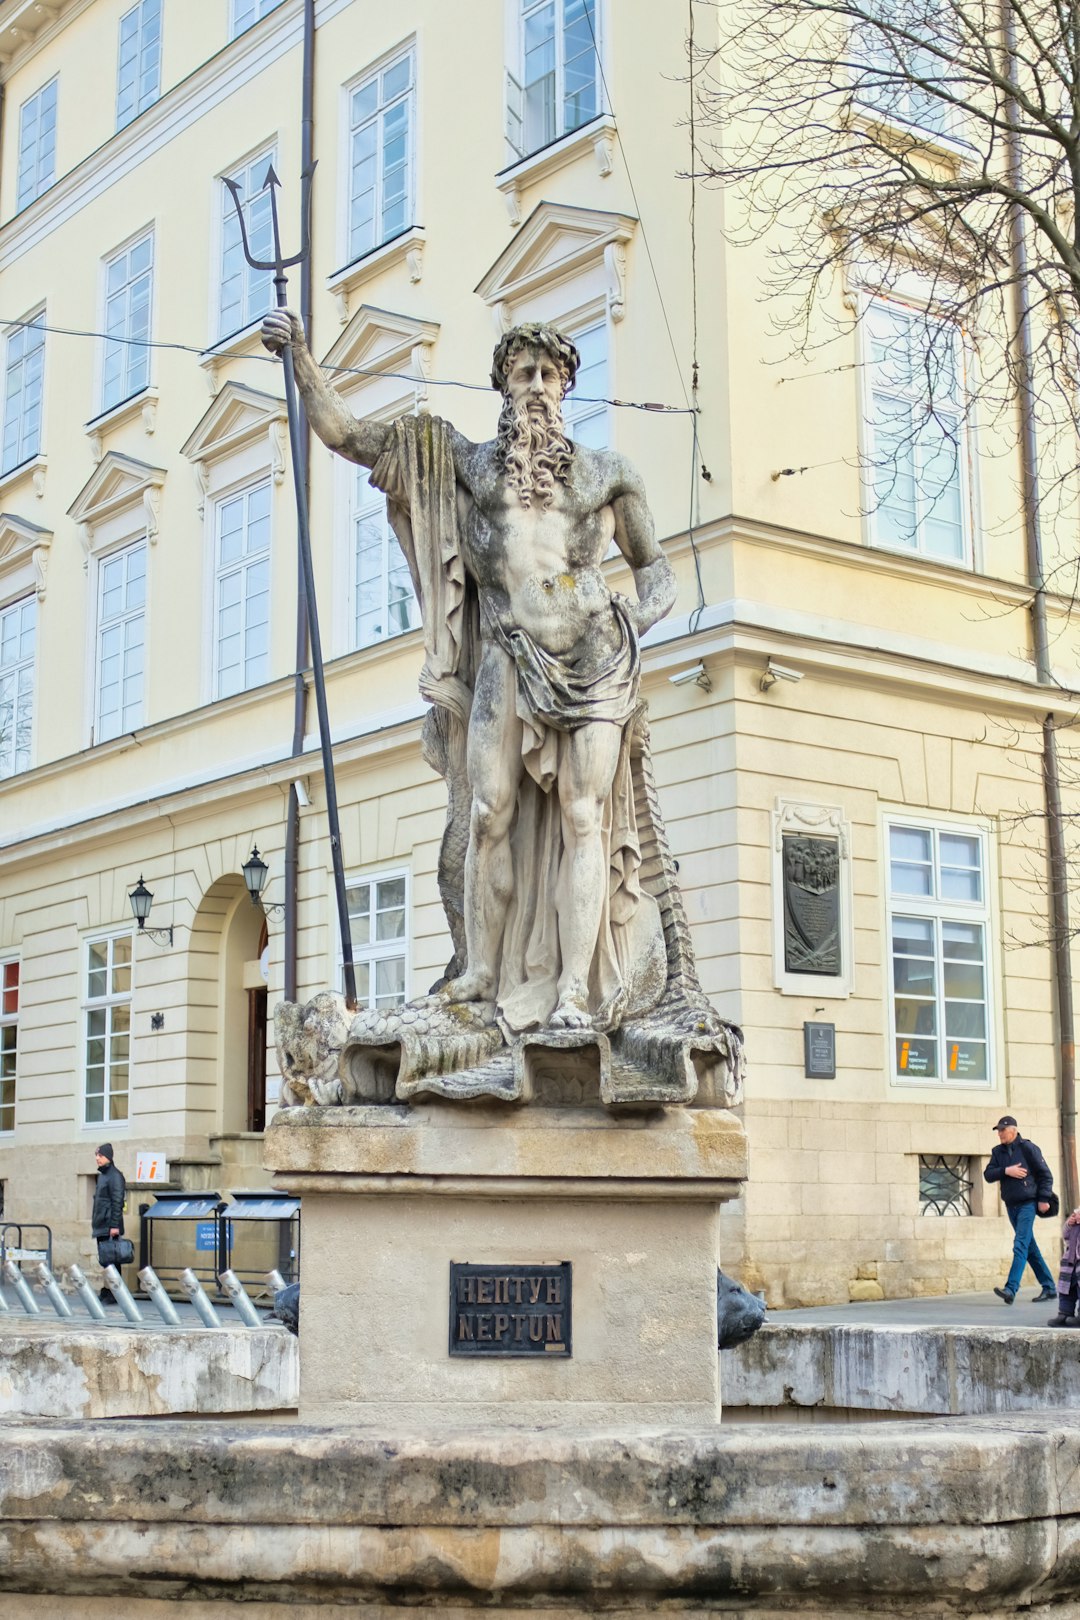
column 46, row 1608
column 392, row 1195
column 970, row 1517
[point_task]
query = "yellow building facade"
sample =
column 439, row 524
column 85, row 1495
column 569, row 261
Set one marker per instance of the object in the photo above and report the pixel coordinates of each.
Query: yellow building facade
column 865, row 693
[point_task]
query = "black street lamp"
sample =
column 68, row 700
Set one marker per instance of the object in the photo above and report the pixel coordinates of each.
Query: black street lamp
column 141, row 898
column 255, row 872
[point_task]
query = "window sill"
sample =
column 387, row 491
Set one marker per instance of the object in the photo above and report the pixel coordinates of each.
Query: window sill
column 234, row 346
column 598, row 135
column 407, row 248
column 935, row 141
column 962, row 565
column 143, row 404
column 31, row 471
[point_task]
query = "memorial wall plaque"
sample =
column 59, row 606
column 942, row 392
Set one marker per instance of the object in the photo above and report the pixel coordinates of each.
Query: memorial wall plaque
column 510, row 1310
column 812, row 905
column 819, row 1051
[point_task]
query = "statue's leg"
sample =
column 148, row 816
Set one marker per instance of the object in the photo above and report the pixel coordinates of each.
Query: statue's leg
column 586, row 772
column 494, row 769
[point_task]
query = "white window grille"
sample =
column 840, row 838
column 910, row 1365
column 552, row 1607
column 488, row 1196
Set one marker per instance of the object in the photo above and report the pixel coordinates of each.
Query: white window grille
column 129, row 280
column 138, row 76
column 939, row 926
column 245, row 294
column 18, row 633
column 24, row 378
column 385, row 602
column 556, row 87
column 107, row 1029
column 381, row 183
column 37, row 144
column 585, row 408
column 121, row 642
column 9, row 1041
column 917, row 449
column 242, row 591
column 378, row 924
column 245, row 13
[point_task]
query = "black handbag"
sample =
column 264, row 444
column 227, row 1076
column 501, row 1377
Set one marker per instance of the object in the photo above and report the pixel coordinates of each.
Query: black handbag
column 115, row 1251
column 1055, row 1208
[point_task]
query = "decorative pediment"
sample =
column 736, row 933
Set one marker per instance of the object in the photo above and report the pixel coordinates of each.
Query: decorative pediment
column 24, row 548
column 238, row 418
column 378, row 341
column 117, row 484
column 556, row 243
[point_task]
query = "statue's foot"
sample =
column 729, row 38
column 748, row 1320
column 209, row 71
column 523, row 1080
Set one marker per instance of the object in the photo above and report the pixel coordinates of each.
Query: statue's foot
column 472, row 985
column 572, row 1011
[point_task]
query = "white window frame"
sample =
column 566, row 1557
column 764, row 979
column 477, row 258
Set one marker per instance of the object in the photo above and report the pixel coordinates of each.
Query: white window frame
column 137, row 354
column 518, row 141
column 905, row 110
column 28, row 445
column 240, row 21
column 918, row 312
column 142, row 98
column 591, row 413
column 127, row 722
column 36, row 172
column 15, row 756
column 376, row 950
column 107, row 1003
column 10, row 1020
column 939, row 910
column 374, row 508
column 241, row 491
column 403, row 52
column 253, row 167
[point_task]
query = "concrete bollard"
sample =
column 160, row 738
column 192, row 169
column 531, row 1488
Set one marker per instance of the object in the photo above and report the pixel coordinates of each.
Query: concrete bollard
column 121, row 1295
column 195, row 1291
column 52, row 1291
column 158, row 1297
column 245, row 1310
column 94, row 1307
column 15, row 1279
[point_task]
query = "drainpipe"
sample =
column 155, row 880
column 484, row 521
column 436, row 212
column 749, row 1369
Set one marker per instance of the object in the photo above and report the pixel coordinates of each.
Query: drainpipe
column 1055, row 834
column 292, row 826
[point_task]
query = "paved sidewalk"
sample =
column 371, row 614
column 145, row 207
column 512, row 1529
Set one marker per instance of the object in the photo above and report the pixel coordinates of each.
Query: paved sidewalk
column 939, row 1310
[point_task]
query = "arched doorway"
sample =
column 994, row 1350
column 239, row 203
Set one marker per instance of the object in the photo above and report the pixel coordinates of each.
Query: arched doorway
column 228, row 984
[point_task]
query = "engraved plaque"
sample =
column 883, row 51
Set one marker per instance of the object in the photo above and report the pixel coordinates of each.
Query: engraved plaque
column 812, row 905
column 819, row 1051
column 510, row 1310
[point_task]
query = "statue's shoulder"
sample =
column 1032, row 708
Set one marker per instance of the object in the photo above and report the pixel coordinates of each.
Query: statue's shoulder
column 474, row 463
column 614, row 472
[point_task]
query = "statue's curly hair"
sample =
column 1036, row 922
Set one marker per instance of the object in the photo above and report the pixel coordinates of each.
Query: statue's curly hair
column 534, row 335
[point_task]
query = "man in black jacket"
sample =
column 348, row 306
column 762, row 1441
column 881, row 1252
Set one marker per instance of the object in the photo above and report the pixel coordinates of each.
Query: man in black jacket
column 107, row 1216
column 1026, row 1185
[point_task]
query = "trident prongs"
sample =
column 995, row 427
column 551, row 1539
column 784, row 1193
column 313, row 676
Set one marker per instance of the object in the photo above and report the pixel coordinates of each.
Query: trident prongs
column 279, row 264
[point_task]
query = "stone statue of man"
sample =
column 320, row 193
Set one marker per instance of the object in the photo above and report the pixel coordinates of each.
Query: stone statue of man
column 536, row 660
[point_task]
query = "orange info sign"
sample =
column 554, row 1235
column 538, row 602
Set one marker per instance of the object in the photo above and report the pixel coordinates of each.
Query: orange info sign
column 512, row 1310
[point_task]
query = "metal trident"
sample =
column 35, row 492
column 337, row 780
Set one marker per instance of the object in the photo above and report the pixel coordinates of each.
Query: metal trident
column 279, row 265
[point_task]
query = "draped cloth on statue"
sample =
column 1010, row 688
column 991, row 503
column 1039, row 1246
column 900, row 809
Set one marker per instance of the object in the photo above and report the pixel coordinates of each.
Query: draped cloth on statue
column 553, row 699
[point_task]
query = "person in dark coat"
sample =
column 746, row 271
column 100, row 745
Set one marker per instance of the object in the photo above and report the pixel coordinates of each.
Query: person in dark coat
column 107, row 1215
column 1026, row 1184
column 1069, row 1275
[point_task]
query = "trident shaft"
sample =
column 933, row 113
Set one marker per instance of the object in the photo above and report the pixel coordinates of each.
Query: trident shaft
column 279, row 265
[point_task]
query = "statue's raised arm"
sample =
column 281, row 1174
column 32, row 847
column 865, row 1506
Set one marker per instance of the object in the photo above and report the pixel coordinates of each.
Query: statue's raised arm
column 332, row 420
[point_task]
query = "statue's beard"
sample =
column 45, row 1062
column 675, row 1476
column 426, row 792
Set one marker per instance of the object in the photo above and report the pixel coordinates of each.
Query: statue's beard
column 534, row 448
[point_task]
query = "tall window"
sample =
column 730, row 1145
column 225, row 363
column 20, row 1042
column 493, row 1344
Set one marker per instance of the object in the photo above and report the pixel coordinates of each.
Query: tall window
column 246, row 294
column 107, row 1046
column 585, row 410
column 385, row 603
column 242, row 592
column 895, row 67
column 121, row 642
column 247, row 12
column 128, row 285
column 9, row 1041
column 138, row 76
column 18, row 626
column 377, row 923
column 37, row 144
column 556, row 87
column 916, row 437
column 939, row 926
column 381, row 156
column 24, row 376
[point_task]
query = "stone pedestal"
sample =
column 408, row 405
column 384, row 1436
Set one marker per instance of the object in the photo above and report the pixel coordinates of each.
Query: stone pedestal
column 392, row 1195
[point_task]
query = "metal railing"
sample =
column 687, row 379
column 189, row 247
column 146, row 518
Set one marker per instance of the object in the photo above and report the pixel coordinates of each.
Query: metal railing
column 18, row 1297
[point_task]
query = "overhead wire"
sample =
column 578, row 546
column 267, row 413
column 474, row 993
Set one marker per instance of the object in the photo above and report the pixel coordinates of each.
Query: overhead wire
column 654, row 406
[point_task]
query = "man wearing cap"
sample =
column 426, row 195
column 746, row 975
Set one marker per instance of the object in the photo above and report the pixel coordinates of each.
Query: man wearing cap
column 1026, row 1185
column 107, row 1215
